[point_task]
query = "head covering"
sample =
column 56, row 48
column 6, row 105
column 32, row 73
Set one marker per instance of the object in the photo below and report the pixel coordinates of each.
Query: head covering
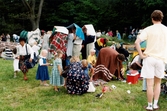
column 102, row 40
column 23, row 36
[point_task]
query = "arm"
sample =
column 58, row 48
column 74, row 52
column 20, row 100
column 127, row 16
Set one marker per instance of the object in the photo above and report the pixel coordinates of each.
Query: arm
column 138, row 64
column 137, row 45
column 90, row 39
column 41, row 63
column 30, row 51
column 59, row 69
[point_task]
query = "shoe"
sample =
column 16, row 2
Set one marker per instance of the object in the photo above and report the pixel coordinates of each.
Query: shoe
column 99, row 95
column 46, row 84
column 57, row 90
column 25, row 78
column 156, row 108
column 144, row 90
column 148, row 109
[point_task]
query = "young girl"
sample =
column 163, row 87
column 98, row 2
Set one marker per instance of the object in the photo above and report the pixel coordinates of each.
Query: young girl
column 56, row 78
column 15, row 62
column 42, row 71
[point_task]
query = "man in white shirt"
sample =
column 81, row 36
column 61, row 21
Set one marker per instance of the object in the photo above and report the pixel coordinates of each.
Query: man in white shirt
column 154, row 57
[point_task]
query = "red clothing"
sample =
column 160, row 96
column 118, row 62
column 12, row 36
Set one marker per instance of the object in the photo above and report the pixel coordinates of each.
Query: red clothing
column 59, row 42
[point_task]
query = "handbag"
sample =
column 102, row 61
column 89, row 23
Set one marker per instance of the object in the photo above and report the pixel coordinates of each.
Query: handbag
column 91, row 87
column 27, row 63
column 65, row 71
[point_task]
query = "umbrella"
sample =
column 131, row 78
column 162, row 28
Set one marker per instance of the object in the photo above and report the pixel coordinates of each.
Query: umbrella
column 61, row 29
column 90, row 29
column 79, row 32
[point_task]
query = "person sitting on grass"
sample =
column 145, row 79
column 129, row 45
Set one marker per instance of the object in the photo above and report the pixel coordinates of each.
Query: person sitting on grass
column 77, row 82
column 88, row 69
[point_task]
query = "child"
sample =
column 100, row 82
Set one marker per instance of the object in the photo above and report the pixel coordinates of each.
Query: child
column 88, row 69
column 92, row 58
column 15, row 62
column 36, row 48
column 56, row 78
column 42, row 71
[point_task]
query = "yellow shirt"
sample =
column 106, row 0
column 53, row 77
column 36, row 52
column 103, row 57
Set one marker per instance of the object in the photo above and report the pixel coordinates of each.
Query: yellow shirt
column 156, row 37
column 91, row 58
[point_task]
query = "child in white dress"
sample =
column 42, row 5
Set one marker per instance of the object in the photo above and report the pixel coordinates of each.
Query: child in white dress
column 15, row 62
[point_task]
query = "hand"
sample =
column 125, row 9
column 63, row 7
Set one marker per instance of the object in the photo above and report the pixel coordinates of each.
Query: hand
column 122, row 71
column 143, row 56
column 47, row 64
column 30, row 60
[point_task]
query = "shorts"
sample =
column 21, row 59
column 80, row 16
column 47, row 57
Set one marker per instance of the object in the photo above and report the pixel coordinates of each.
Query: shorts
column 152, row 67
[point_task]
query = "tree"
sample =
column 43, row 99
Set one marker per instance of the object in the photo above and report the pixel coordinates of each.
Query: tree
column 32, row 16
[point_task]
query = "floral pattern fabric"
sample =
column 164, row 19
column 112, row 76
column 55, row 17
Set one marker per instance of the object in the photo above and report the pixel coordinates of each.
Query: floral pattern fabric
column 77, row 81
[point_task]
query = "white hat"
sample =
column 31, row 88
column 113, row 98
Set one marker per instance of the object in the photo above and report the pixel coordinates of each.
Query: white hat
column 92, row 50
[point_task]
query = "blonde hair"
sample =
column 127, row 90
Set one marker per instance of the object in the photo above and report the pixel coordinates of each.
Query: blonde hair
column 74, row 59
column 43, row 51
column 57, row 53
column 84, row 63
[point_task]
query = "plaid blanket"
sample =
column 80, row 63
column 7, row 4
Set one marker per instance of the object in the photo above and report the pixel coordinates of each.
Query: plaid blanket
column 59, row 41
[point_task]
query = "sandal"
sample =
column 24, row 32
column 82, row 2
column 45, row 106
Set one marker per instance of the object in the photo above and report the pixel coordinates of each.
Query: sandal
column 46, row 84
column 57, row 90
column 25, row 78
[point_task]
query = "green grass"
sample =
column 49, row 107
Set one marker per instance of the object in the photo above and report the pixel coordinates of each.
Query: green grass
column 19, row 95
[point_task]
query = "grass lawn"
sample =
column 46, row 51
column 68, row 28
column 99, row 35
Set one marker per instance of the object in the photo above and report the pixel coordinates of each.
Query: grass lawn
column 19, row 95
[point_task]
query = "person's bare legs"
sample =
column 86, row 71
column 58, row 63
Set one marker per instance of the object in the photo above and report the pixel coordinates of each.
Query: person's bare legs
column 45, row 83
column 157, row 90
column 56, row 88
column 25, row 76
column 150, row 93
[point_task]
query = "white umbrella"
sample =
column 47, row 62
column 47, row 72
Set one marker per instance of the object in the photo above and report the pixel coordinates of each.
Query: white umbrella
column 61, row 29
column 90, row 29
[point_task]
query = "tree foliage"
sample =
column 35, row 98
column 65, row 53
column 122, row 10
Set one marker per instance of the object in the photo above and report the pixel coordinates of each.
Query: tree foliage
column 16, row 15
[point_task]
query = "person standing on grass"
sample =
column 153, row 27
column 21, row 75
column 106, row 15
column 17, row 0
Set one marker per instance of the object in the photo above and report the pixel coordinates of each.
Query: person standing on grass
column 153, row 57
column 22, row 52
column 42, row 71
column 56, row 78
column 15, row 61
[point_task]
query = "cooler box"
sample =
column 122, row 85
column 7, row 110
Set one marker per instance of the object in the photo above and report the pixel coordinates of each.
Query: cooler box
column 132, row 78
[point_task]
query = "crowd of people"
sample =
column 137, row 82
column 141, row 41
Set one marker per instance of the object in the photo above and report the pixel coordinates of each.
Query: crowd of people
column 90, row 59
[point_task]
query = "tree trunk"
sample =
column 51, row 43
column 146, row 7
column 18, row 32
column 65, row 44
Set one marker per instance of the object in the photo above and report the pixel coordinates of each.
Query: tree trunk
column 32, row 15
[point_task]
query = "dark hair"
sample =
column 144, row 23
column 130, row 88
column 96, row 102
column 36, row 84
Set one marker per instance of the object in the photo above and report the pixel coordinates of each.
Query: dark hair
column 14, row 50
column 157, row 15
column 22, row 39
column 105, row 41
column 134, row 66
column 121, row 57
